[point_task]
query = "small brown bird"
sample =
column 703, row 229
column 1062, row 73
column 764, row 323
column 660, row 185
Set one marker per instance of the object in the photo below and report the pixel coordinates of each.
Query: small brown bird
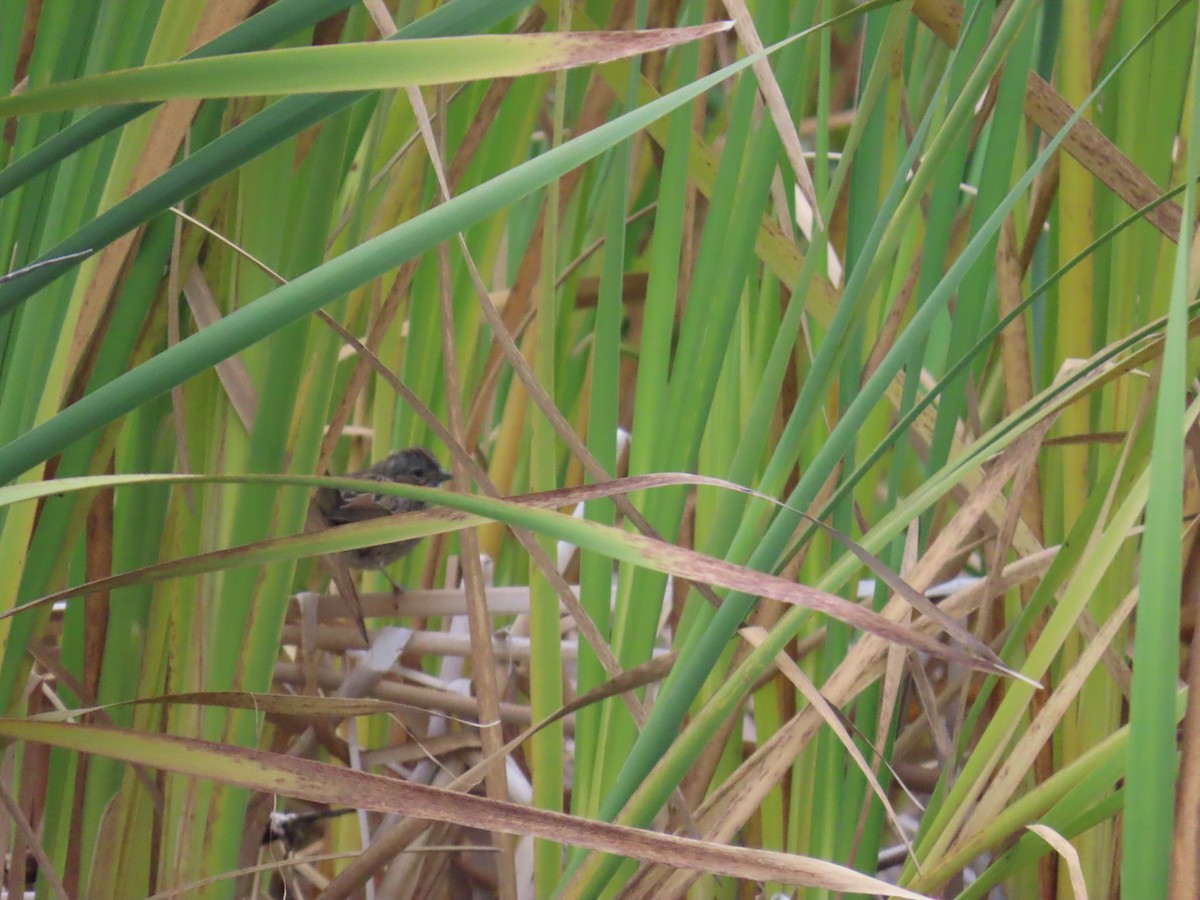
column 416, row 466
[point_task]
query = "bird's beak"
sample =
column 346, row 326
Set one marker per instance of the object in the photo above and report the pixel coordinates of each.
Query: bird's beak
column 444, row 476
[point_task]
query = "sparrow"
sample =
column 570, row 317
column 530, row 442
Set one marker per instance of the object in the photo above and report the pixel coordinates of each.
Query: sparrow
column 296, row 830
column 416, row 466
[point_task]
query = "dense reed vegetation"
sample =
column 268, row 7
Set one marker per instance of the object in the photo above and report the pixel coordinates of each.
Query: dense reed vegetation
column 920, row 275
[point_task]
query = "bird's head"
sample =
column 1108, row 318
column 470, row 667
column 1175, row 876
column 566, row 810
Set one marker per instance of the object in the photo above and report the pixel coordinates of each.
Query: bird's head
column 416, row 465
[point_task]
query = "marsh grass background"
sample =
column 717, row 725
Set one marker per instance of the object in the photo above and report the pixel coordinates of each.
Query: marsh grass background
column 924, row 271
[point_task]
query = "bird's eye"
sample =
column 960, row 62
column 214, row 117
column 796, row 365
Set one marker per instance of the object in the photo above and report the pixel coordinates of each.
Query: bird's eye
column 419, row 472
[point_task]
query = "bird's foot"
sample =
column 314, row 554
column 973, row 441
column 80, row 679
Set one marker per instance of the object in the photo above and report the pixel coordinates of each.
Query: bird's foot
column 396, row 589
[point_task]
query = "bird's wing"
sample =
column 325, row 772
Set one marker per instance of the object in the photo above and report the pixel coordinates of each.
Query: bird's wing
column 353, row 506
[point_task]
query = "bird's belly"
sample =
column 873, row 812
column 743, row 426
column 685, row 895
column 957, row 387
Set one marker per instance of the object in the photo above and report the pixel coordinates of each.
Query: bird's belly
column 378, row 556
